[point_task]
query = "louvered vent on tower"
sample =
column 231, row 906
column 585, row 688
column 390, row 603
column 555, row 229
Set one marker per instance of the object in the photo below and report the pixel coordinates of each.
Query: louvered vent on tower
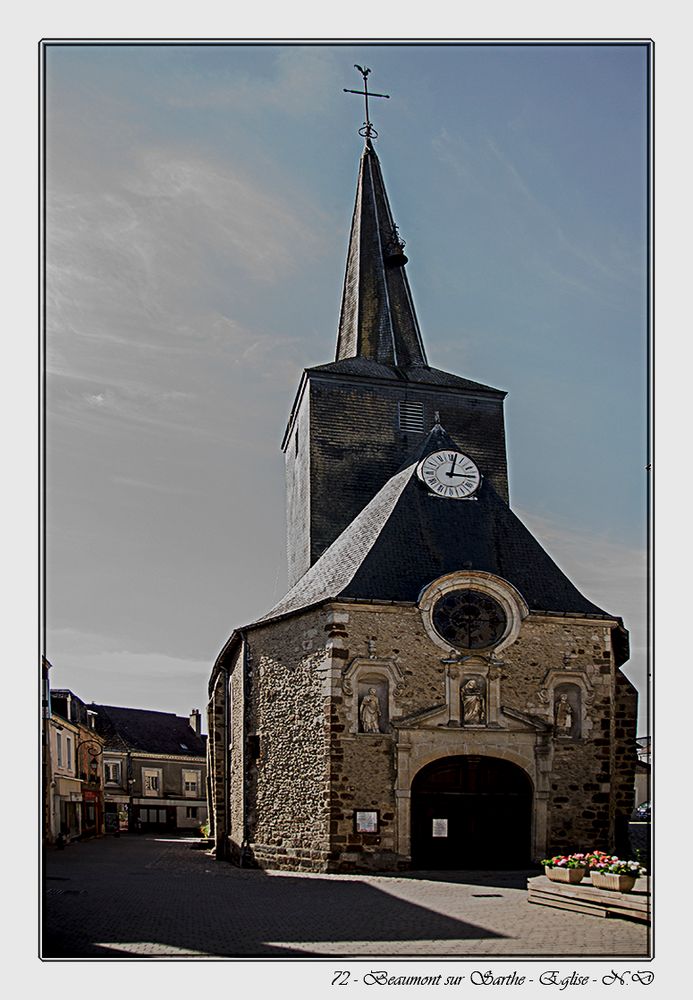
column 411, row 417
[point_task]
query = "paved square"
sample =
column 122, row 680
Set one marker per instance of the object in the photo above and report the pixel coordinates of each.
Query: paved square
column 153, row 898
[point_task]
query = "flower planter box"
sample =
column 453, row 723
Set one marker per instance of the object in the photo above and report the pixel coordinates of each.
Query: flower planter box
column 571, row 875
column 613, row 882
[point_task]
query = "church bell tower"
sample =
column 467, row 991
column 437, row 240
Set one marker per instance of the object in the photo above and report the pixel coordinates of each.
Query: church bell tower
column 432, row 691
column 356, row 419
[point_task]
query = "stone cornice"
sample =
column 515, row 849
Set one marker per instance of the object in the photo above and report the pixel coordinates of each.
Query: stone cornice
column 572, row 619
column 144, row 755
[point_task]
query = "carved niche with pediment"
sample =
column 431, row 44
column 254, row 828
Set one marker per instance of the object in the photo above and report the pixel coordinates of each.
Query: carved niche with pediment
column 372, row 687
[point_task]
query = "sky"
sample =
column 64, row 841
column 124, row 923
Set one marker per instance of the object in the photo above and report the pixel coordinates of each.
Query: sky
column 198, row 202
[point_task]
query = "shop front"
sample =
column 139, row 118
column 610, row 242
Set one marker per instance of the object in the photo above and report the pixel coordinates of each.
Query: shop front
column 68, row 809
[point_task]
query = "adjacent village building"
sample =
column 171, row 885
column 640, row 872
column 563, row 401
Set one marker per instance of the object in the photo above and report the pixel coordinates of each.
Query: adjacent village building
column 108, row 769
column 75, row 803
column 155, row 770
column 432, row 691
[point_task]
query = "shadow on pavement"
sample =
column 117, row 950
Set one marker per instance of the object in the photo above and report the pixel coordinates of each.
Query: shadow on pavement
column 119, row 900
column 488, row 879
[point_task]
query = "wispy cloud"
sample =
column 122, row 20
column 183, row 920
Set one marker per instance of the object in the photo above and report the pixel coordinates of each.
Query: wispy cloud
column 539, row 205
column 167, row 490
column 459, row 156
column 173, row 215
column 302, row 82
column 518, row 182
column 616, row 260
column 611, row 574
column 152, row 276
column 162, row 683
column 610, row 569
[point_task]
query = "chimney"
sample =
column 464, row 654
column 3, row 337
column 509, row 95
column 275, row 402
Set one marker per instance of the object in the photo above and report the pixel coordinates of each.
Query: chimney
column 196, row 721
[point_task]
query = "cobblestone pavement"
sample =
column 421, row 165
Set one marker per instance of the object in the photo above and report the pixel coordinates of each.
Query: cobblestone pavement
column 151, row 897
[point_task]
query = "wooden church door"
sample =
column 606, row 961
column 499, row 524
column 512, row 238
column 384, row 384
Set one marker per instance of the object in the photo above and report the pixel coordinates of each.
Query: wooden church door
column 471, row 812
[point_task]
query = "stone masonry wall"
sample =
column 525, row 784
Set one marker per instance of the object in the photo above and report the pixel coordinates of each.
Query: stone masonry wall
column 625, row 760
column 287, row 765
column 225, row 753
column 237, row 754
column 216, row 748
column 580, row 800
column 584, row 792
column 363, row 777
column 308, row 769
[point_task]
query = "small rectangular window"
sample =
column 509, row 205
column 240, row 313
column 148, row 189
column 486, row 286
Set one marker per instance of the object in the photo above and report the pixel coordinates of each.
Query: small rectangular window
column 112, row 772
column 191, row 812
column 68, row 752
column 59, row 748
column 151, row 781
column 411, row 417
column 191, row 783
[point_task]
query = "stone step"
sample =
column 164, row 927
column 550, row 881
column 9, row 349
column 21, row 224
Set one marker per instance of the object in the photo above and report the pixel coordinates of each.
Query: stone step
column 586, row 898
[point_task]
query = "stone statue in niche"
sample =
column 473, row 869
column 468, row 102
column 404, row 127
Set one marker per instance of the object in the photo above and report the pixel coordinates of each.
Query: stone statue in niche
column 473, row 703
column 369, row 712
column 564, row 716
column 566, row 711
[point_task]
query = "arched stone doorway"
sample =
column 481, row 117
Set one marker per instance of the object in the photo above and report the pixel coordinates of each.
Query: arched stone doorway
column 471, row 812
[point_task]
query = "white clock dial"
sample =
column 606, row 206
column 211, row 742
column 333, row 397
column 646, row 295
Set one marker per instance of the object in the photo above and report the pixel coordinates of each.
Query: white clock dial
column 449, row 474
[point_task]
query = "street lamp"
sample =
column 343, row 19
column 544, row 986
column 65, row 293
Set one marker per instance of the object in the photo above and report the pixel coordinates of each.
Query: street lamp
column 94, row 750
column 90, row 748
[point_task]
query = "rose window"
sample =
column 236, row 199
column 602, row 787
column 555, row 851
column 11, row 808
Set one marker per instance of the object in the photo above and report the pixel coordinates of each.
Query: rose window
column 469, row 619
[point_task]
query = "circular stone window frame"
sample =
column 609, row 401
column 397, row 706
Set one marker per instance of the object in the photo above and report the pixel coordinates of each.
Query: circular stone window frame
column 510, row 599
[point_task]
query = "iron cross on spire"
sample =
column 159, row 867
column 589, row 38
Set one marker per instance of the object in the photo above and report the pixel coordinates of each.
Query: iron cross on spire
column 366, row 130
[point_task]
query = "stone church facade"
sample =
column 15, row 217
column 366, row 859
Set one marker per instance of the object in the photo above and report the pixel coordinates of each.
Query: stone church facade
column 432, row 691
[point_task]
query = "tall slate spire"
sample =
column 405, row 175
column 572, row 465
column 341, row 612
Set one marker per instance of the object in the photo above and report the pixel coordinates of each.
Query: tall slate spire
column 377, row 319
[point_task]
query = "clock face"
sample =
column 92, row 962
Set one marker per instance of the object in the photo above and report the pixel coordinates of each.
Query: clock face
column 449, row 474
column 468, row 619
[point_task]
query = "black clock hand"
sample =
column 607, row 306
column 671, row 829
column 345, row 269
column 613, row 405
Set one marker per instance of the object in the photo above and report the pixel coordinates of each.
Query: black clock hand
column 451, row 473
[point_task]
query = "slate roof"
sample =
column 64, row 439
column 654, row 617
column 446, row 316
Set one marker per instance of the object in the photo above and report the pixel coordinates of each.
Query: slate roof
column 146, row 731
column 420, row 374
column 377, row 318
column 406, row 537
column 59, row 702
column 379, row 334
